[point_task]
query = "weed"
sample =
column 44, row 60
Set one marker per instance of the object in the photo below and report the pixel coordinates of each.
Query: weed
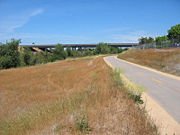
column 93, row 74
column 58, row 128
column 71, row 69
column 136, row 98
column 133, row 91
column 116, row 75
column 83, row 125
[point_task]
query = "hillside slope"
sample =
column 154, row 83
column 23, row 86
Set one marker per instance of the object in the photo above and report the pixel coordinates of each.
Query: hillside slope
column 165, row 60
column 67, row 97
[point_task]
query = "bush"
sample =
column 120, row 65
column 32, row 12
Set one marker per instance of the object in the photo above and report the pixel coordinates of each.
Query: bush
column 69, row 51
column 5, row 62
column 88, row 52
column 42, row 57
column 102, row 48
column 27, row 56
column 77, row 53
column 54, row 58
column 59, row 52
column 136, row 98
column 9, row 55
column 114, row 50
column 120, row 50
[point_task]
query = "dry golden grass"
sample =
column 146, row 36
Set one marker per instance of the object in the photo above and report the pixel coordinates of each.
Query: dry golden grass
column 165, row 60
column 52, row 98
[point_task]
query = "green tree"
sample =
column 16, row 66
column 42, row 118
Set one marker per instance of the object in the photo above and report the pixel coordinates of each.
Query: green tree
column 174, row 32
column 146, row 40
column 150, row 40
column 41, row 57
column 77, row 53
column 114, row 50
column 120, row 50
column 9, row 55
column 69, row 51
column 102, row 48
column 88, row 52
column 161, row 38
column 59, row 52
column 27, row 56
column 143, row 40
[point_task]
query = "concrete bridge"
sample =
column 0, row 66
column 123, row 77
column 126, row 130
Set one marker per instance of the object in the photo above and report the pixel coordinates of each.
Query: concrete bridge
column 83, row 46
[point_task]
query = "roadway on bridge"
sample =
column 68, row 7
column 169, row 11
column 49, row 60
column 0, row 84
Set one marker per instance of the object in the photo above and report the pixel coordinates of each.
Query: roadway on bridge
column 163, row 89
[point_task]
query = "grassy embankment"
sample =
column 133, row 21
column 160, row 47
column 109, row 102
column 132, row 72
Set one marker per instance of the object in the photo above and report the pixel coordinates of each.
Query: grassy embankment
column 68, row 97
column 165, row 60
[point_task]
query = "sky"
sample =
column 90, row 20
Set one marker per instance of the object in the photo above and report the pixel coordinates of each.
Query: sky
column 86, row 21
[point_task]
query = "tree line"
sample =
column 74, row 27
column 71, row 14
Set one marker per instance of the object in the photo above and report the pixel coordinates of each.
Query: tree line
column 173, row 33
column 12, row 55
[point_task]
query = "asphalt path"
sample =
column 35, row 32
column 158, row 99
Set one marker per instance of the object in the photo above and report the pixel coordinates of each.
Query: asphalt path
column 163, row 89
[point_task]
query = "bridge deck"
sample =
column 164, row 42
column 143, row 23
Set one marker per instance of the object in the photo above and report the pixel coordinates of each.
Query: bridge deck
column 82, row 45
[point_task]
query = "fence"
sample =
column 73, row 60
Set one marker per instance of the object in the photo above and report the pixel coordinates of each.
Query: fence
column 163, row 44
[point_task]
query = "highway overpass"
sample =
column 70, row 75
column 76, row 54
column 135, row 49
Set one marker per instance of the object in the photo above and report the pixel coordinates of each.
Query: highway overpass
column 74, row 46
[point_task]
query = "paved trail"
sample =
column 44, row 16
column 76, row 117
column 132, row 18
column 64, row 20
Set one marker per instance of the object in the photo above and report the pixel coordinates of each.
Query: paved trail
column 165, row 90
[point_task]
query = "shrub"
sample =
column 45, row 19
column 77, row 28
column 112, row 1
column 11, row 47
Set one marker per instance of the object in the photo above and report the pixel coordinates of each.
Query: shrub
column 5, row 62
column 9, row 55
column 77, row 53
column 136, row 98
column 114, row 50
column 102, row 48
column 59, row 52
column 54, row 58
column 42, row 57
column 27, row 56
column 88, row 52
column 69, row 51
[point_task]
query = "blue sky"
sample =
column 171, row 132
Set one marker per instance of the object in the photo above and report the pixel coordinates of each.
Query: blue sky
column 85, row 21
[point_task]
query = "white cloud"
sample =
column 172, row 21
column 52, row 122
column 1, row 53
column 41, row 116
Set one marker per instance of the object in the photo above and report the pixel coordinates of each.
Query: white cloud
column 36, row 12
column 9, row 24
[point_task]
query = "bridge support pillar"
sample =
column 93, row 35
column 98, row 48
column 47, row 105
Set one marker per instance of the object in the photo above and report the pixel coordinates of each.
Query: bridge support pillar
column 74, row 48
column 79, row 48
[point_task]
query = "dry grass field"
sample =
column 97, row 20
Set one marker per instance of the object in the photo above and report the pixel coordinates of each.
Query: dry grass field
column 165, row 60
column 68, row 97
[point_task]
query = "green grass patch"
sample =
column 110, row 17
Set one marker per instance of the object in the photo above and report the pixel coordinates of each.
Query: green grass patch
column 134, row 91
